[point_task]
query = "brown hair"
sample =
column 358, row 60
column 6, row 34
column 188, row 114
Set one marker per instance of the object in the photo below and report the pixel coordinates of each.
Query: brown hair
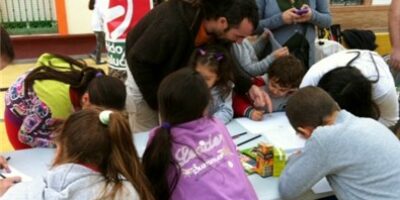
column 177, row 106
column 309, row 106
column 351, row 90
column 84, row 139
column 78, row 76
column 288, row 71
column 91, row 4
column 219, row 61
column 107, row 91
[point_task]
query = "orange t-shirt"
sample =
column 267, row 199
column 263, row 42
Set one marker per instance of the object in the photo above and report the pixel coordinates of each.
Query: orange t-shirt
column 202, row 36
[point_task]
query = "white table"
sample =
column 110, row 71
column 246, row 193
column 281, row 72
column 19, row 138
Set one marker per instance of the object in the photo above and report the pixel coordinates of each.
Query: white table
column 35, row 162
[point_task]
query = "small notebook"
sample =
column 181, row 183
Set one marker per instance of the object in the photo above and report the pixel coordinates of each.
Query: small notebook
column 15, row 172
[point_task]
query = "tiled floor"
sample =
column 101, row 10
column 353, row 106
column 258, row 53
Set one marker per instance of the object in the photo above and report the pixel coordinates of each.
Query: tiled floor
column 7, row 77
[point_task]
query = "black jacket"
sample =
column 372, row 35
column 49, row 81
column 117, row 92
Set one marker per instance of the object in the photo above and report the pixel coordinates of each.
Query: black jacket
column 162, row 43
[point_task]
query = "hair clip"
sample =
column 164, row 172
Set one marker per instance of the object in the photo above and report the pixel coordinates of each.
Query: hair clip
column 166, row 125
column 104, row 116
column 219, row 56
column 99, row 74
column 202, row 52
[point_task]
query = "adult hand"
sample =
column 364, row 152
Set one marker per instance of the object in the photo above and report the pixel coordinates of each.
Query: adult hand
column 289, row 16
column 7, row 183
column 306, row 16
column 4, row 164
column 260, row 98
column 395, row 59
column 265, row 35
column 284, row 51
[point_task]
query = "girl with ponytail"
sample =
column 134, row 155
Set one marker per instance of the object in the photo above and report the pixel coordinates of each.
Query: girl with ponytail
column 95, row 159
column 191, row 155
column 40, row 99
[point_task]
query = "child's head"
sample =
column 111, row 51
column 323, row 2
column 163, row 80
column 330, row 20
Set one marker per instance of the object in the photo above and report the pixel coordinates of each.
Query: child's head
column 102, row 139
column 105, row 91
column 284, row 76
column 309, row 108
column 100, row 89
column 351, row 90
column 7, row 50
column 214, row 64
column 359, row 39
column 183, row 96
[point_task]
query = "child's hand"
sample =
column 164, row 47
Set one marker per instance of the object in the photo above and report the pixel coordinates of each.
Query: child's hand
column 55, row 123
column 265, row 34
column 257, row 115
column 7, row 183
column 4, row 164
column 281, row 52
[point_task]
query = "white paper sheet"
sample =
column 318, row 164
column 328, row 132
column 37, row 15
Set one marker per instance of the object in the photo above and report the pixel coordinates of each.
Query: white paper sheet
column 15, row 172
column 321, row 187
column 276, row 128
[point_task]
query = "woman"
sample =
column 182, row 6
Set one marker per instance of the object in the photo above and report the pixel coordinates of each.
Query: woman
column 293, row 23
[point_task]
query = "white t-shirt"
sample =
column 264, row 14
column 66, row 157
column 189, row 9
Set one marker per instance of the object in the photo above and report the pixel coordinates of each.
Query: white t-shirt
column 98, row 15
column 384, row 91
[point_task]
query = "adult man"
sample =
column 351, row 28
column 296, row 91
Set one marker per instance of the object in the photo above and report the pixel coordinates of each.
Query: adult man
column 163, row 40
column 394, row 27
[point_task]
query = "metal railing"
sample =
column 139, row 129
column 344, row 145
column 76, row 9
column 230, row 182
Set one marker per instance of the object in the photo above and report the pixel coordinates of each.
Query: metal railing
column 28, row 16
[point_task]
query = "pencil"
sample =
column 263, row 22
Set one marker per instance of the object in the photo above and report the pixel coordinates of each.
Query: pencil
column 249, row 140
column 2, row 176
column 238, row 135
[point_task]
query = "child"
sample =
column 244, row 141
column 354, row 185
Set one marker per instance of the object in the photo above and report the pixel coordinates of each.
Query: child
column 359, row 156
column 95, row 159
column 248, row 52
column 373, row 67
column 284, row 77
column 192, row 156
column 38, row 101
column 351, row 90
column 6, row 50
column 214, row 64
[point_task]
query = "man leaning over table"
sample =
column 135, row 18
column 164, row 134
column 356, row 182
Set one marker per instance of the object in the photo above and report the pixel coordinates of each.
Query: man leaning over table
column 163, row 40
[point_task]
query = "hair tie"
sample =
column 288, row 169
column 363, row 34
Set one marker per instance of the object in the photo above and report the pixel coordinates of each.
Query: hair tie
column 166, row 125
column 104, row 116
column 219, row 56
column 99, row 74
column 202, row 52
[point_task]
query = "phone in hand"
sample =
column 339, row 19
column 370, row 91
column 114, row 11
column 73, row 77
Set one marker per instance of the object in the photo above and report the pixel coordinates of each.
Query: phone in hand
column 301, row 11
